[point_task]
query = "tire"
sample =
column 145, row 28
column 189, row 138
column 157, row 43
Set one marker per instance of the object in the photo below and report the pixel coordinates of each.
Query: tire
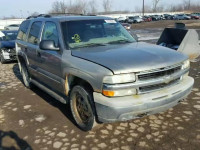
column 82, row 108
column 26, row 76
column 3, row 61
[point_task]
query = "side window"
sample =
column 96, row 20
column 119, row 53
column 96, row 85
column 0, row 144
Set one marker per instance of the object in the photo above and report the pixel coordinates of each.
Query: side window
column 50, row 32
column 34, row 33
column 23, row 30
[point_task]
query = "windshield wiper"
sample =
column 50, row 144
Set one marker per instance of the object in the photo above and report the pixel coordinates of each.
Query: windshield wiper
column 90, row 45
column 119, row 41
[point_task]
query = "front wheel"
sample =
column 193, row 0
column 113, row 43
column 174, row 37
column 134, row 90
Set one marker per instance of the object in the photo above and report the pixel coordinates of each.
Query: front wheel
column 82, row 108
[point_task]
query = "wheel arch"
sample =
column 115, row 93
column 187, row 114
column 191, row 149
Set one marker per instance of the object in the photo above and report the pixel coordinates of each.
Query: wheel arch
column 73, row 80
column 21, row 61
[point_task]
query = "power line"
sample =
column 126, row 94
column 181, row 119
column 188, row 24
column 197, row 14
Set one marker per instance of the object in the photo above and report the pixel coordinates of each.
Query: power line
column 143, row 8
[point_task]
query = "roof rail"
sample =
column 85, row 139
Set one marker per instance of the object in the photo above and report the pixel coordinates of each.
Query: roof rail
column 44, row 15
column 40, row 15
column 57, row 14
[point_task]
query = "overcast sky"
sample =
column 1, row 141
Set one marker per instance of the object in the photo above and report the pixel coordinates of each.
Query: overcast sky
column 24, row 7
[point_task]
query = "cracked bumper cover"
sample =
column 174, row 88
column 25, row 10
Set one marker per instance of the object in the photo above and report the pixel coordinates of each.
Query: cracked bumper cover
column 9, row 56
column 130, row 107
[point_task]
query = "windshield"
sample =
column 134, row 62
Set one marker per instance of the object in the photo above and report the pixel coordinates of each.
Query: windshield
column 87, row 33
column 9, row 36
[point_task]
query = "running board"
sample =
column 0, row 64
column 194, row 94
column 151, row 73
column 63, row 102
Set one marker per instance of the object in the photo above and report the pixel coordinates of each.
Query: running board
column 50, row 92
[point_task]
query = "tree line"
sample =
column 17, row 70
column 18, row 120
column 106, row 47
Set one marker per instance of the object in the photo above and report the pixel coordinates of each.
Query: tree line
column 92, row 7
column 79, row 6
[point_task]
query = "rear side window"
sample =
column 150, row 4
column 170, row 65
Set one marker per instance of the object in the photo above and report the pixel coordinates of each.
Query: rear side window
column 23, row 30
column 50, row 32
column 34, row 33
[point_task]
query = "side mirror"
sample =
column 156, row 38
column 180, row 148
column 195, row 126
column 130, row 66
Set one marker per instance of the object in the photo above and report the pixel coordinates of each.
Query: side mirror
column 48, row 45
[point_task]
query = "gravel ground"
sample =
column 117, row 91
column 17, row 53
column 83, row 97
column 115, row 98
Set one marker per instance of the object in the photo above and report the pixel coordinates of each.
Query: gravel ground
column 31, row 119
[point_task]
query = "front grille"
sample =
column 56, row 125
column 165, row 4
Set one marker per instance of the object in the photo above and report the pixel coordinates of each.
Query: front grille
column 12, row 50
column 151, row 88
column 153, row 75
column 159, row 78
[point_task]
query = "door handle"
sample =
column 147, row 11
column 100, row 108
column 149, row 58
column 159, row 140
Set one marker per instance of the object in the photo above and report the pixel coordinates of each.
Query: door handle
column 38, row 54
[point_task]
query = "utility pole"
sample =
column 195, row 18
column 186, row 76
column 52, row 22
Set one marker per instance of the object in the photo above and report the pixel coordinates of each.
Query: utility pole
column 143, row 8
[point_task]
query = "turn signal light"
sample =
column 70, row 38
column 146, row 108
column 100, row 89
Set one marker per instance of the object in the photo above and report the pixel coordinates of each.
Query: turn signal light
column 109, row 93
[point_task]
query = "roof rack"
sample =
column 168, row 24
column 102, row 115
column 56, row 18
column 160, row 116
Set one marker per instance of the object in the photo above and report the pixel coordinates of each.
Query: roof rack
column 66, row 14
column 57, row 14
column 40, row 15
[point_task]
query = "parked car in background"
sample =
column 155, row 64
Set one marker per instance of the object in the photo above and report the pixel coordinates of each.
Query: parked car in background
column 155, row 17
column 161, row 17
column 12, row 27
column 121, row 19
column 136, row 19
column 147, row 18
column 7, row 45
column 168, row 17
column 126, row 26
column 181, row 17
column 195, row 16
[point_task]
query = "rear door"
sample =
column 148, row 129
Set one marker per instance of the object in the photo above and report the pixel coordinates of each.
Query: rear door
column 49, row 61
column 33, row 45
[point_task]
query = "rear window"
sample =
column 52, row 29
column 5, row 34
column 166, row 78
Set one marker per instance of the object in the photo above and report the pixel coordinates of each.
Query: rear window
column 34, row 33
column 23, row 30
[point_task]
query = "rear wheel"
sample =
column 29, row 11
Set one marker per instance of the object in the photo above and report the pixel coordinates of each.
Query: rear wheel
column 82, row 108
column 26, row 76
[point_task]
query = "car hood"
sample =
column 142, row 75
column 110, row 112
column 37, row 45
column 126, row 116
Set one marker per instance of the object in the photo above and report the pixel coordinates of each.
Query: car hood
column 7, row 44
column 133, row 57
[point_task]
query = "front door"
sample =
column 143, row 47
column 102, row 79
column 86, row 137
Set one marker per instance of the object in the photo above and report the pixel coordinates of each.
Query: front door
column 49, row 61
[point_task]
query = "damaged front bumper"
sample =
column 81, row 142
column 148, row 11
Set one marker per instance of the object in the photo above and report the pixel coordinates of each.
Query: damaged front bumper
column 130, row 107
column 9, row 55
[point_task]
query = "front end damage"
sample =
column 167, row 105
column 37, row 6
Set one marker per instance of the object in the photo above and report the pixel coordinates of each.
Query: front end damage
column 156, row 91
column 8, row 54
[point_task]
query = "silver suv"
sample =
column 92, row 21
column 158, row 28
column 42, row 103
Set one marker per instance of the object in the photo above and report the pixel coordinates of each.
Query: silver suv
column 94, row 64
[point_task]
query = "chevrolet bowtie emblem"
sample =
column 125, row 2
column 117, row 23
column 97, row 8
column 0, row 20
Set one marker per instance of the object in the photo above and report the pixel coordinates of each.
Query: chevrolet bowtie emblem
column 167, row 79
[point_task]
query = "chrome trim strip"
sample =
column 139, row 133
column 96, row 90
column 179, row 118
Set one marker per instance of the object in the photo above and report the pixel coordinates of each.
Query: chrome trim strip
column 160, row 69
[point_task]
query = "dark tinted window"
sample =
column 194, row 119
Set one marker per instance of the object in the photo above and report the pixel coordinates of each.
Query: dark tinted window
column 34, row 33
column 23, row 30
column 50, row 32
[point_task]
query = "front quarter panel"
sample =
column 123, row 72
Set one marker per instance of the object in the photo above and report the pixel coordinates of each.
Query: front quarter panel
column 86, row 70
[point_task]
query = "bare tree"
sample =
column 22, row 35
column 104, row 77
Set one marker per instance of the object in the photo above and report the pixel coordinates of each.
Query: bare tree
column 11, row 17
column 79, row 7
column 92, row 6
column 147, row 8
column 35, row 13
column 107, row 5
column 58, row 7
column 187, row 4
column 155, row 5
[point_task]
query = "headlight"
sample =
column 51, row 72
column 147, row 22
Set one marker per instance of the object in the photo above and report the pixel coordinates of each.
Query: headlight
column 124, row 92
column 186, row 64
column 122, row 78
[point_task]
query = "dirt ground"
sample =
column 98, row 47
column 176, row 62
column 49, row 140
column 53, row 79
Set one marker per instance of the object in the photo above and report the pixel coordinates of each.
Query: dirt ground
column 31, row 119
